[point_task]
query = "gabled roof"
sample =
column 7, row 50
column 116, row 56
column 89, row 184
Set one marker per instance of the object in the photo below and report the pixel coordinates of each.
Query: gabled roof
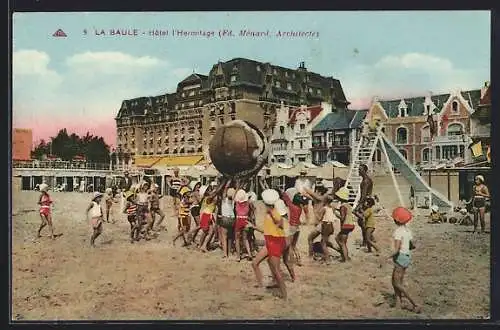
column 339, row 119
column 314, row 111
column 358, row 118
column 486, row 99
column 193, row 78
column 416, row 104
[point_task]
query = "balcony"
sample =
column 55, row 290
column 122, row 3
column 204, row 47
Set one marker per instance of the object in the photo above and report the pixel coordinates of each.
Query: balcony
column 450, row 139
column 319, row 146
column 279, row 138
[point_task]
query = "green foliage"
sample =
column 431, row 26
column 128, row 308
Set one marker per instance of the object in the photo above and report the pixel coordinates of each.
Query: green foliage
column 66, row 147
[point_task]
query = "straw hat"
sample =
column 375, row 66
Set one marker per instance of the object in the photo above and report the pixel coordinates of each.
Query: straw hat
column 343, row 193
column 480, row 177
column 281, row 207
column 128, row 194
column 202, row 190
column 401, row 215
column 435, row 208
column 241, row 196
column 43, row 187
column 184, row 190
column 270, row 196
column 291, row 192
column 252, row 197
column 230, row 192
column 96, row 194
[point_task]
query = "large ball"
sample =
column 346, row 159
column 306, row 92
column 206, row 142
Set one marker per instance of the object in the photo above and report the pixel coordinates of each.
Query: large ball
column 238, row 148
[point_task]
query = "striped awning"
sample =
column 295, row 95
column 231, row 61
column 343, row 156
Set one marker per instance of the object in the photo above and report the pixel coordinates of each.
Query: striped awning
column 170, row 161
column 145, row 161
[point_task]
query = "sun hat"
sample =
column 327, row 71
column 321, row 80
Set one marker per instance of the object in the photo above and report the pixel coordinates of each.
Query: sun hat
column 202, row 190
column 252, row 196
column 480, row 177
column 281, row 207
column 43, row 187
column 343, row 193
column 435, row 208
column 96, row 194
column 241, row 196
column 291, row 192
column 109, row 190
column 230, row 192
column 270, row 196
column 184, row 190
column 128, row 194
column 401, row 215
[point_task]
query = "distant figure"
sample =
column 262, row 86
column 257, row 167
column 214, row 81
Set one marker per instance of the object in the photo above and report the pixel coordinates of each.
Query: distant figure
column 412, row 198
column 365, row 191
column 45, row 203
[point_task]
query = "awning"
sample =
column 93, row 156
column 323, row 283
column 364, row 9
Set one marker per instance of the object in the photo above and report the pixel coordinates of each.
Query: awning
column 145, row 161
column 171, row 161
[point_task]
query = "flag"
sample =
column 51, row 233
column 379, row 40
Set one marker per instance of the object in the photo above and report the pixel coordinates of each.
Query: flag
column 477, row 149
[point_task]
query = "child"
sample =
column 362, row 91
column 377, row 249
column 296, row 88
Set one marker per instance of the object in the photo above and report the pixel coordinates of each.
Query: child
column 242, row 209
column 252, row 198
column 109, row 203
column 274, row 235
column 155, row 208
column 368, row 217
column 143, row 214
column 184, row 215
column 131, row 211
column 295, row 208
column 207, row 216
column 365, row 131
column 283, row 212
column 227, row 218
column 96, row 216
column 45, row 202
column 403, row 244
column 435, row 216
column 324, row 227
column 346, row 222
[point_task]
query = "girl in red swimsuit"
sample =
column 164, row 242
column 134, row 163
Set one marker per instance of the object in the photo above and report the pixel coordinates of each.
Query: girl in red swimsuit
column 45, row 202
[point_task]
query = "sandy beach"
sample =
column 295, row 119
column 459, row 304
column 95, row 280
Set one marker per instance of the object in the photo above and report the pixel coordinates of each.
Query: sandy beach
column 66, row 279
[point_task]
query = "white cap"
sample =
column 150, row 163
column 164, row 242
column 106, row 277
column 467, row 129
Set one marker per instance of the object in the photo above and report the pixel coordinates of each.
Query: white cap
column 281, row 207
column 270, row 196
column 252, row 196
column 97, row 194
column 43, row 187
column 435, row 208
column 241, row 196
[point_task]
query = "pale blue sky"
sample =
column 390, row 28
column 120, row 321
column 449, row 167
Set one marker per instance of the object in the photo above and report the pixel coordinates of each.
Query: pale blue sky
column 397, row 53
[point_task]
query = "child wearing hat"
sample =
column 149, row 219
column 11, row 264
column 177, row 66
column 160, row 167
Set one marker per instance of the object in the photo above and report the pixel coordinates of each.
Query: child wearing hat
column 435, row 216
column 131, row 211
column 226, row 218
column 95, row 216
column 346, row 222
column 242, row 210
column 403, row 244
column 275, row 245
column 184, row 215
column 207, row 215
column 45, row 203
column 295, row 209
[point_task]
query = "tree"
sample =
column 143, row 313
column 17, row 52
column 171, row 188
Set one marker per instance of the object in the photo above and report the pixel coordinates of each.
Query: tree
column 67, row 147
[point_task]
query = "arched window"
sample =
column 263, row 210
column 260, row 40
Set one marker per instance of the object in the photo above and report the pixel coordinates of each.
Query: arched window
column 455, row 129
column 454, row 106
column 404, row 153
column 426, row 154
column 402, row 135
column 425, row 134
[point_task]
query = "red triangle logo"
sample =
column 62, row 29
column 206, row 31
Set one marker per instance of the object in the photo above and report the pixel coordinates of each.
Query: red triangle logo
column 59, row 33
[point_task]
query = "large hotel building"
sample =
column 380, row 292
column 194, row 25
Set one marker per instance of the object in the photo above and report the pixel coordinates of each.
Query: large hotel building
column 182, row 123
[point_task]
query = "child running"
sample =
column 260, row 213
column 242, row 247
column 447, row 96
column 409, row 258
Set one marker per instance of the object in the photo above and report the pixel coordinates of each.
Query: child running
column 109, row 203
column 403, row 244
column 368, row 217
column 95, row 216
column 131, row 211
column 45, row 203
column 242, row 209
column 274, row 236
column 184, row 215
column 346, row 222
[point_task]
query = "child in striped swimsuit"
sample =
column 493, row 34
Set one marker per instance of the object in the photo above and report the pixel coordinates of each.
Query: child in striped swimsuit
column 131, row 212
column 45, row 202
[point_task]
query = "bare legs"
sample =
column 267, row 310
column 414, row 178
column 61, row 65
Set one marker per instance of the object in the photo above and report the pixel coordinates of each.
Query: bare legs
column 479, row 217
column 46, row 220
column 399, row 290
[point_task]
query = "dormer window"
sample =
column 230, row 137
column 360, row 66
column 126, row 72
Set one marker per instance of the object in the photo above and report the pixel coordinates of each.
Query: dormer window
column 403, row 112
column 258, row 68
column 454, row 106
column 282, row 129
column 286, row 73
column 275, row 72
column 183, row 94
column 289, row 86
column 233, row 78
column 278, row 84
column 310, row 90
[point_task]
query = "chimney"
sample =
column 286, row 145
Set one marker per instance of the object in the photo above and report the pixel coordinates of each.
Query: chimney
column 302, row 66
column 484, row 88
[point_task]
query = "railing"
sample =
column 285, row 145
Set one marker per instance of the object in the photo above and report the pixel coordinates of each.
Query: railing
column 319, row 145
column 61, row 165
column 450, row 139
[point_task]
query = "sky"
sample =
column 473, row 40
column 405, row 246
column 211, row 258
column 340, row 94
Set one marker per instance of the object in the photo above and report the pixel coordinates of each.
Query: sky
column 78, row 82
